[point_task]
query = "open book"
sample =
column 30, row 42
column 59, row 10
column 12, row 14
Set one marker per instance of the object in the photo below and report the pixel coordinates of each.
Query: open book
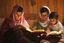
column 54, row 33
column 28, row 29
column 34, row 30
column 24, row 27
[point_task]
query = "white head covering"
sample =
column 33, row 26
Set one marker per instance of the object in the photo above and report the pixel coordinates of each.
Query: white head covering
column 46, row 8
column 46, row 22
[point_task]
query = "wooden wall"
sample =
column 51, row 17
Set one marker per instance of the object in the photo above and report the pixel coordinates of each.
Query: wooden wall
column 32, row 9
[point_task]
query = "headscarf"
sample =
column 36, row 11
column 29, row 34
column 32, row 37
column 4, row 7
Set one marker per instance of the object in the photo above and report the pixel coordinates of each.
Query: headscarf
column 46, row 8
column 47, row 21
column 21, row 20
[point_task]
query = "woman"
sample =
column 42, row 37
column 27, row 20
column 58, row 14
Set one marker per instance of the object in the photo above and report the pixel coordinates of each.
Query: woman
column 16, row 18
column 43, row 20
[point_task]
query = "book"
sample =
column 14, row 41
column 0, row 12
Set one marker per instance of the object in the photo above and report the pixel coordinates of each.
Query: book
column 54, row 33
column 24, row 27
column 50, row 33
column 38, row 31
column 28, row 29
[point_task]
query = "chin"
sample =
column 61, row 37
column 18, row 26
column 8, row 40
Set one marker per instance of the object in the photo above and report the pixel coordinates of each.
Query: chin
column 44, row 19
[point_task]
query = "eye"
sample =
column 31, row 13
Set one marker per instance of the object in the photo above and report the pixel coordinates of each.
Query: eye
column 52, row 20
column 44, row 15
column 19, row 14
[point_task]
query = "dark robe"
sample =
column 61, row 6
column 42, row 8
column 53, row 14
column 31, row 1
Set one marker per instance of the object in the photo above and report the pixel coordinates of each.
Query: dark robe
column 15, row 36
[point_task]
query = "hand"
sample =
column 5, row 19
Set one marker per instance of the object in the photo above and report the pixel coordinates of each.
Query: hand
column 12, row 25
column 48, row 30
column 63, row 30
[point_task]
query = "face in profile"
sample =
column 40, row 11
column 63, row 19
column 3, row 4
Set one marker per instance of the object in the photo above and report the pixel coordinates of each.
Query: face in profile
column 44, row 16
column 18, row 15
column 53, row 21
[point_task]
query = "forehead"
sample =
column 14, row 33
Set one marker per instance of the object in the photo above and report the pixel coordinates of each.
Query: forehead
column 18, row 12
column 44, row 13
column 53, row 19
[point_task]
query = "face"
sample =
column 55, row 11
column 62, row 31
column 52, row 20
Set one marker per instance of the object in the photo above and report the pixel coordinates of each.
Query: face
column 44, row 16
column 18, row 15
column 53, row 21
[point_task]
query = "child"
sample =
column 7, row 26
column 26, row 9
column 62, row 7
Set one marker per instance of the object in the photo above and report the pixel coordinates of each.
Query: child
column 55, row 24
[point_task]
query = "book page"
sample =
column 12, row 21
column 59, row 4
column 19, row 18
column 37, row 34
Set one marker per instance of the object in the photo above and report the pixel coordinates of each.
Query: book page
column 28, row 29
column 54, row 33
column 24, row 27
column 38, row 30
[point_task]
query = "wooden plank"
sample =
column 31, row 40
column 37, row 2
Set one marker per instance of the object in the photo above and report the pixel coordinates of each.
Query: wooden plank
column 60, row 9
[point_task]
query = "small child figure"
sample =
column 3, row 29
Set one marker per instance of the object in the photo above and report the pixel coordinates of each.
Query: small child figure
column 55, row 24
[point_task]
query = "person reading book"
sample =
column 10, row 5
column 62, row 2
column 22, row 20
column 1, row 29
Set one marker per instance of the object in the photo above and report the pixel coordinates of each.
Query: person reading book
column 55, row 27
column 40, row 24
column 43, row 20
column 55, row 24
column 16, row 18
